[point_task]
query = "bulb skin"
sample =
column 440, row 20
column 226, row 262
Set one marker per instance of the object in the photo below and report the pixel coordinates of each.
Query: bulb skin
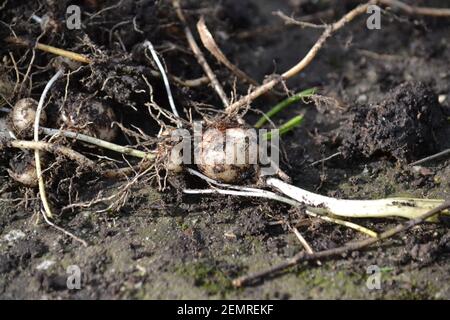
column 23, row 169
column 91, row 117
column 225, row 155
column 22, row 116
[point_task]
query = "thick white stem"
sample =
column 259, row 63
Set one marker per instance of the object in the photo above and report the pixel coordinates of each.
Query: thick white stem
column 392, row 207
column 37, row 157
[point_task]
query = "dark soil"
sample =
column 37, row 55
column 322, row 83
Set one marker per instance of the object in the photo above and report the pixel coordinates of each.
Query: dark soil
column 405, row 125
column 379, row 105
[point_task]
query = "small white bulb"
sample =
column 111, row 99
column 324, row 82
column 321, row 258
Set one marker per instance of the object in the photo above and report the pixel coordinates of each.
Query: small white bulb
column 227, row 155
column 23, row 169
column 90, row 117
column 22, row 117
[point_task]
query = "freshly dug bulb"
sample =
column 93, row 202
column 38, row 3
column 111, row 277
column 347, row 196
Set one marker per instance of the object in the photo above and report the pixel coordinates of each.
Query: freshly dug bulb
column 170, row 150
column 23, row 169
column 174, row 161
column 21, row 118
column 227, row 155
column 90, row 117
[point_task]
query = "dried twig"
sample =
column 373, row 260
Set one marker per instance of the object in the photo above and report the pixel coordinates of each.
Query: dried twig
column 353, row 246
column 304, row 24
column 432, row 157
column 37, row 157
column 265, row 30
column 421, row 11
column 50, row 49
column 190, row 83
column 302, row 240
column 330, row 30
column 199, row 55
column 210, row 44
column 49, row 147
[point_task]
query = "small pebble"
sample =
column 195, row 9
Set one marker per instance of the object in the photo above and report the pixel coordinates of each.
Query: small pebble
column 44, row 265
column 14, row 235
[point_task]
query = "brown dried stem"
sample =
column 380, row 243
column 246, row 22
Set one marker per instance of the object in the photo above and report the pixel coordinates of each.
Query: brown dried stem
column 53, row 148
column 421, row 11
column 210, row 44
column 302, row 64
column 50, row 49
column 199, row 55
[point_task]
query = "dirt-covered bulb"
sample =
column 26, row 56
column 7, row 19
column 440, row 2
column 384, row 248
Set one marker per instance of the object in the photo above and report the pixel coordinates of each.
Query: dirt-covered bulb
column 23, row 169
column 23, row 115
column 227, row 155
column 90, row 117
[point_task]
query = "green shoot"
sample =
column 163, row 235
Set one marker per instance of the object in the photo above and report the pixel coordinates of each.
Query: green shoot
column 288, row 126
column 283, row 104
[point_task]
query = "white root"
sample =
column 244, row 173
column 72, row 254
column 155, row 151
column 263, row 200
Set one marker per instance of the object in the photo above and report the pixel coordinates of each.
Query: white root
column 270, row 195
column 260, row 193
column 155, row 57
column 37, row 156
column 409, row 208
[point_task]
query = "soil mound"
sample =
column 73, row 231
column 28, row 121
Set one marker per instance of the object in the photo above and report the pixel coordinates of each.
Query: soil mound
column 403, row 126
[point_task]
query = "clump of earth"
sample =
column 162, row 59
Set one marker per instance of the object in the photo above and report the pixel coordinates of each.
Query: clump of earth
column 405, row 125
